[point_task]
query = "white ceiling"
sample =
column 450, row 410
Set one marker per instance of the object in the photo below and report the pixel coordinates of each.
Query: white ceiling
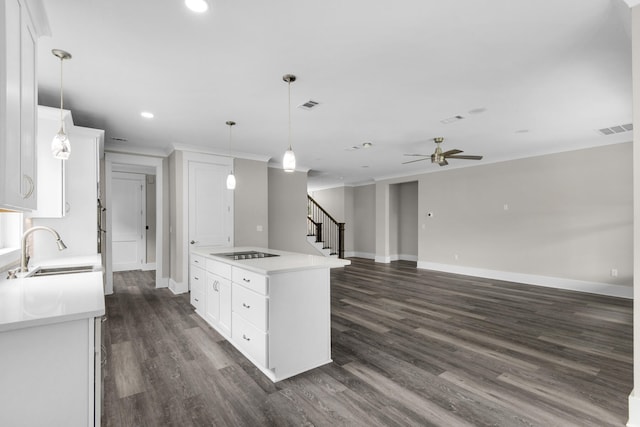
column 547, row 75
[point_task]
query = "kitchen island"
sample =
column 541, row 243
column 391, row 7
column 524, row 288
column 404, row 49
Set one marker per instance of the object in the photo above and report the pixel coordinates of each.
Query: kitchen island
column 273, row 306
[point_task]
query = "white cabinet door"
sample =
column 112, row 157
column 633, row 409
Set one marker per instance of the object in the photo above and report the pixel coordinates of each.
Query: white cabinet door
column 212, row 295
column 28, row 104
column 210, row 213
column 17, row 86
column 128, row 213
column 225, row 306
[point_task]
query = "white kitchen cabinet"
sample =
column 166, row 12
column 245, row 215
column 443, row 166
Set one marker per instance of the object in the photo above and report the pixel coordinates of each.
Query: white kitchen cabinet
column 18, row 101
column 217, row 307
column 51, row 374
column 67, row 185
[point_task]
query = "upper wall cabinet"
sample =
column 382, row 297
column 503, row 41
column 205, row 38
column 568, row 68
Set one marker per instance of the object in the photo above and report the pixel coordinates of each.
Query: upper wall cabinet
column 22, row 21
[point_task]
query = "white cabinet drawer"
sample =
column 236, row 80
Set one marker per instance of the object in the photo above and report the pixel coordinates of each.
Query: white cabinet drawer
column 251, row 280
column 219, row 268
column 250, row 305
column 198, row 260
column 197, row 300
column 250, row 339
column 197, row 278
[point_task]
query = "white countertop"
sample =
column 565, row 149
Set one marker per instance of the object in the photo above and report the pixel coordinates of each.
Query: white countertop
column 36, row 301
column 286, row 261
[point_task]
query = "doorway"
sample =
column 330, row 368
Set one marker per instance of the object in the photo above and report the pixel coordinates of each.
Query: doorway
column 146, row 166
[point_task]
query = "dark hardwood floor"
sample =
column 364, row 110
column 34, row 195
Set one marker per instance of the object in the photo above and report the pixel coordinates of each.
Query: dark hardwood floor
column 410, row 347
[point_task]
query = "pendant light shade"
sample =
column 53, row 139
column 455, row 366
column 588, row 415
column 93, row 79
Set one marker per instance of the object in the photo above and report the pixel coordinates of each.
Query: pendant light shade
column 231, row 179
column 289, row 159
column 61, row 146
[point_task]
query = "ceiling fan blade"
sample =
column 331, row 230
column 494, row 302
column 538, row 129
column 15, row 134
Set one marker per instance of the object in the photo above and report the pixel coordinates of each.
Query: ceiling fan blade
column 420, row 155
column 451, row 152
column 443, row 162
column 465, row 157
column 413, row 161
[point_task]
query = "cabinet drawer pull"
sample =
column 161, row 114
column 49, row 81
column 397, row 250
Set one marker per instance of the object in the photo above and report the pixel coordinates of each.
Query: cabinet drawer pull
column 196, row 278
column 196, row 300
column 244, row 337
column 244, row 279
column 245, row 305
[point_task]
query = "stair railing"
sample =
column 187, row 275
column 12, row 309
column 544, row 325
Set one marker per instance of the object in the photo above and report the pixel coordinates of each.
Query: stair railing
column 326, row 229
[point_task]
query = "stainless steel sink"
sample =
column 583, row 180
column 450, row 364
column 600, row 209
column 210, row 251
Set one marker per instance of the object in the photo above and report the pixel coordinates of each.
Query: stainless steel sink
column 51, row 271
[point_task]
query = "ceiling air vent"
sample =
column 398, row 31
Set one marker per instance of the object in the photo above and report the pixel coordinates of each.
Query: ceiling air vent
column 451, row 119
column 616, row 129
column 309, row 105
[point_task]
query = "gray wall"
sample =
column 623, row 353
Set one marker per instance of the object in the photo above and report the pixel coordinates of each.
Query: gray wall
column 566, row 215
column 288, row 211
column 364, row 226
column 251, row 203
column 407, row 220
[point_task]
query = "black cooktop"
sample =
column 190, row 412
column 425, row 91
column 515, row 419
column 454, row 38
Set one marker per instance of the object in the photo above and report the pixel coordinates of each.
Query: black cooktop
column 245, row 255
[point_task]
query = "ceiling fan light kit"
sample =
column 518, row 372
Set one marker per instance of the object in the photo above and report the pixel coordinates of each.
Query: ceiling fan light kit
column 441, row 157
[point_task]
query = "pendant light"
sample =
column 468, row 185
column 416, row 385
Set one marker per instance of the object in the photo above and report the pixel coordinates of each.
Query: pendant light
column 60, row 146
column 231, row 179
column 289, row 159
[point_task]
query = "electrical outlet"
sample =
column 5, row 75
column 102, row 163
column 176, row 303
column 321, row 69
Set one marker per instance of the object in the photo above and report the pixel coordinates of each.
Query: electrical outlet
column 455, row 257
column 614, row 272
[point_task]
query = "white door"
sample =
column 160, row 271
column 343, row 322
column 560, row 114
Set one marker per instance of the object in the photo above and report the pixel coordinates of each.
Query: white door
column 210, row 213
column 127, row 221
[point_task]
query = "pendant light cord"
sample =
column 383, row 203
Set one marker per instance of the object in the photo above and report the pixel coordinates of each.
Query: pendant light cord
column 61, row 96
column 289, row 83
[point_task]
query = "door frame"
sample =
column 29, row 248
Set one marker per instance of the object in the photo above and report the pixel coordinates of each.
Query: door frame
column 187, row 157
column 120, row 162
column 141, row 179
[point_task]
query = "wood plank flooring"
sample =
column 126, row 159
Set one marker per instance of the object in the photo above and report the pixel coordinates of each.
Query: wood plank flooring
column 410, row 347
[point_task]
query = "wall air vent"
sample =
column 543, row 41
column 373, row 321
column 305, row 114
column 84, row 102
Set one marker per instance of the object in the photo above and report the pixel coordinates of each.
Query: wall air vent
column 309, row 105
column 616, row 129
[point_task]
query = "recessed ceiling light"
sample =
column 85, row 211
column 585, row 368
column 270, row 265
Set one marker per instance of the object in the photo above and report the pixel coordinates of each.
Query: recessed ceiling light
column 367, row 145
column 147, row 115
column 198, row 6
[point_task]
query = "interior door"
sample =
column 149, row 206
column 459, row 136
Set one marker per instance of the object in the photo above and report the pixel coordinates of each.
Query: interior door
column 128, row 220
column 210, row 213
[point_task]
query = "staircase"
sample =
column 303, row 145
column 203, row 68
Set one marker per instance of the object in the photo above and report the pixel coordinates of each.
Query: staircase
column 323, row 231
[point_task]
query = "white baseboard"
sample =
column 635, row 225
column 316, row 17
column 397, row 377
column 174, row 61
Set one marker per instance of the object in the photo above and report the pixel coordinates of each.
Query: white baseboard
column 531, row 279
column 634, row 410
column 382, row 259
column 402, row 257
column 148, row 266
column 177, row 288
column 354, row 254
column 163, row 282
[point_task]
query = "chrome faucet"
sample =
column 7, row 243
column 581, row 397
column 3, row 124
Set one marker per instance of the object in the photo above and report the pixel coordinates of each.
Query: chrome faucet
column 25, row 258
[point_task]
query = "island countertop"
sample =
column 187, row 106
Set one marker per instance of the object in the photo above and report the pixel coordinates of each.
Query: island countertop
column 284, row 262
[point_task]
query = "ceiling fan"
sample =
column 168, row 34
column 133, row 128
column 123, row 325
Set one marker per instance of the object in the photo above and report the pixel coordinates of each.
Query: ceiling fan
column 440, row 157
